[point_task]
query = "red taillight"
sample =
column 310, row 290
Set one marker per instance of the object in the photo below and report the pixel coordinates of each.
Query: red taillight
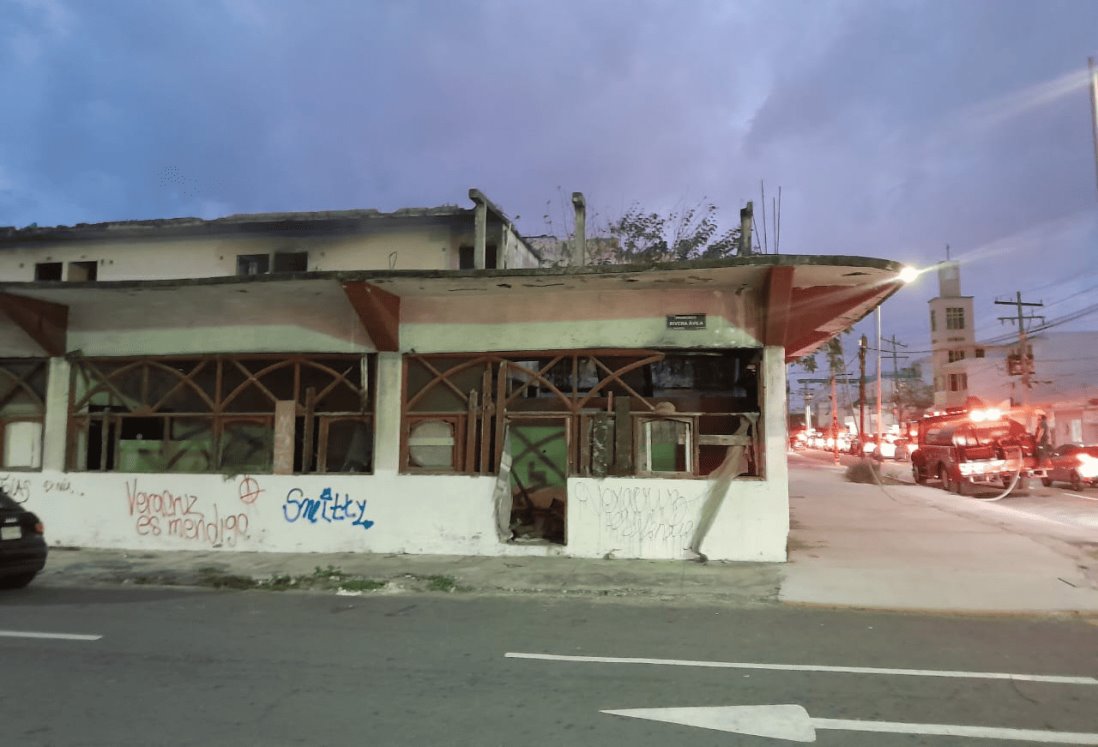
column 39, row 528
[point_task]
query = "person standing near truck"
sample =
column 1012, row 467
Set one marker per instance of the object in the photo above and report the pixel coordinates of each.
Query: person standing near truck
column 1043, row 438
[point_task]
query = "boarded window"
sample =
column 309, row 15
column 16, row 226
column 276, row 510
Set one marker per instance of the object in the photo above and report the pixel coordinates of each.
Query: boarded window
column 217, row 414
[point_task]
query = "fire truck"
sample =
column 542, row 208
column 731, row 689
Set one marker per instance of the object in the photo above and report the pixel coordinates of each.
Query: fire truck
column 965, row 449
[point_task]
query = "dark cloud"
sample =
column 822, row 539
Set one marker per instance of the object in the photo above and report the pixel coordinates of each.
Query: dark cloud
column 893, row 128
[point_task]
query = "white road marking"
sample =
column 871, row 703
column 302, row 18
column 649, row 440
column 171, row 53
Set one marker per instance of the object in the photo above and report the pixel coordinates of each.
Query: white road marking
column 59, row 636
column 792, row 723
column 1045, row 678
column 1084, row 497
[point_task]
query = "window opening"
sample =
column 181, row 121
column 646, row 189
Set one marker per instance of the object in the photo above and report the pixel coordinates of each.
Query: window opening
column 252, row 264
column 291, row 261
column 217, row 414
column 23, row 384
column 82, row 272
column 955, row 317
column 607, row 399
column 47, row 271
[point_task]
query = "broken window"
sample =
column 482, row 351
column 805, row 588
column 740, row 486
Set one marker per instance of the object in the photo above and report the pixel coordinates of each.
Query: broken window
column 47, row 271
column 22, row 411
column 218, row 414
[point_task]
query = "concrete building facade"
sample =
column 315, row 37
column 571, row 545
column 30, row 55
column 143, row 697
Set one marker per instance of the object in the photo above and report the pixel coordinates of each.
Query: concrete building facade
column 396, row 390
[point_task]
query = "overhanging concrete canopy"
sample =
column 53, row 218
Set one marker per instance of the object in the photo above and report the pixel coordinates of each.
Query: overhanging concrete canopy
column 803, row 300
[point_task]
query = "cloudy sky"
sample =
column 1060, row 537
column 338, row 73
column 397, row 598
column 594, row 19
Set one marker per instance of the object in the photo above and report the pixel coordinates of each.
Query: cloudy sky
column 893, row 128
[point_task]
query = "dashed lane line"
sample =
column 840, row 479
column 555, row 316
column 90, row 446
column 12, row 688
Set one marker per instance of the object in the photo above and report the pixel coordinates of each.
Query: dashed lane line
column 1044, row 678
column 58, row 636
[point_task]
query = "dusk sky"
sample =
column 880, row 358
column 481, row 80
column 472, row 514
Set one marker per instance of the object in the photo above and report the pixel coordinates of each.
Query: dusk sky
column 892, row 128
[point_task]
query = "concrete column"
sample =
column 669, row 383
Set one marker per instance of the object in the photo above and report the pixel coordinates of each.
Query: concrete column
column 579, row 244
column 56, row 426
column 746, row 219
column 388, row 385
column 775, row 434
column 480, row 228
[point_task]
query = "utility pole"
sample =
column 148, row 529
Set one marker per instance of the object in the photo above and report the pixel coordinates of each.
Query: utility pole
column 863, row 345
column 834, row 422
column 1023, row 357
column 832, row 380
column 893, row 344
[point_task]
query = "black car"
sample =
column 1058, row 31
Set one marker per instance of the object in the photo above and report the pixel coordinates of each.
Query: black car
column 22, row 544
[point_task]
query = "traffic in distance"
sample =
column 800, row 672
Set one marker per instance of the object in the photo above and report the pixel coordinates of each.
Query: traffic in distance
column 966, row 450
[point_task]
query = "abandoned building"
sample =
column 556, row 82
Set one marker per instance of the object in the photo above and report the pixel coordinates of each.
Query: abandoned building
column 402, row 382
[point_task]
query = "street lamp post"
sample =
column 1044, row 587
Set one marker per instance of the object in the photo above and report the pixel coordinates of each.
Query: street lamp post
column 880, row 426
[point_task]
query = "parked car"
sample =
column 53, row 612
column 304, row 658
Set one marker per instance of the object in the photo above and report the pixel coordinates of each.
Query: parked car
column 1075, row 464
column 891, row 447
column 22, row 544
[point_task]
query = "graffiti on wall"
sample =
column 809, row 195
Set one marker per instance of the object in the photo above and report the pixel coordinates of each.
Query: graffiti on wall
column 328, row 507
column 19, row 488
column 183, row 516
column 657, row 513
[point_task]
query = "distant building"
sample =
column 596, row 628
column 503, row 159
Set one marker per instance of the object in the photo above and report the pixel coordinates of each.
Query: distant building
column 1062, row 380
column 952, row 337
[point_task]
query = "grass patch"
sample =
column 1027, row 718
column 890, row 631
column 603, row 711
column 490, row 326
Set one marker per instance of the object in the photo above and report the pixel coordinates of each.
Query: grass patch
column 441, row 583
column 328, row 578
column 362, row 584
column 221, row 580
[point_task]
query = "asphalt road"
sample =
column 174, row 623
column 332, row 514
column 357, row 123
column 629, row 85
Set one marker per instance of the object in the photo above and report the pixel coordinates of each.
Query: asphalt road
column 1056, row 503
column 182, row 667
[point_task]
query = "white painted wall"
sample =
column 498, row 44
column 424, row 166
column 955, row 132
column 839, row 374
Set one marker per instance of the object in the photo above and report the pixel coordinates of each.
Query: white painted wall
column 385, row 513
column 389, row 247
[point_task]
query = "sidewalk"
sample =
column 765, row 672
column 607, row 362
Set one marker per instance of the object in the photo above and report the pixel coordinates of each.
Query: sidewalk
column 901, row 547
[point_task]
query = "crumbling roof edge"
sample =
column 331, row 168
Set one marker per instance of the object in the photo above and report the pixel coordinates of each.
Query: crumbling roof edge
column 192, row 225
column 757, row 260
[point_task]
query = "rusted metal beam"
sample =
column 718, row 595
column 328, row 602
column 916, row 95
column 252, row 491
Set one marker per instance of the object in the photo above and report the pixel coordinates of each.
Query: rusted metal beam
column 45, row 322
column 379, row 312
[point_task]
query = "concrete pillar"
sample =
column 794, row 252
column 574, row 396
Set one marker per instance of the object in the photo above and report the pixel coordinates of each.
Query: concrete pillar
column 746, row 219
column 56, row 426
column 579, row 244
column 775, row 434
column 480, row 228
column 389, row 388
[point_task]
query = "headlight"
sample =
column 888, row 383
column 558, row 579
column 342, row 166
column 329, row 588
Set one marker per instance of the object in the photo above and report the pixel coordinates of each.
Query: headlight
column 1087, row 466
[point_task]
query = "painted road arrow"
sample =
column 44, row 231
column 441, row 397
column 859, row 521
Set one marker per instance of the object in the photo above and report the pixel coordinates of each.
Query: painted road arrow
column 792, row 723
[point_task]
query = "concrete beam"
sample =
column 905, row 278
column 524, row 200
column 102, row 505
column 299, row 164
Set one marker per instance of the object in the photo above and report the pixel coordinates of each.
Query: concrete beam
column 46, row 323
column 379, row 312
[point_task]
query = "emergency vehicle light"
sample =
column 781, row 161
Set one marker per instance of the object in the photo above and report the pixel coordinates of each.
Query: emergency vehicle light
column 983, row 416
